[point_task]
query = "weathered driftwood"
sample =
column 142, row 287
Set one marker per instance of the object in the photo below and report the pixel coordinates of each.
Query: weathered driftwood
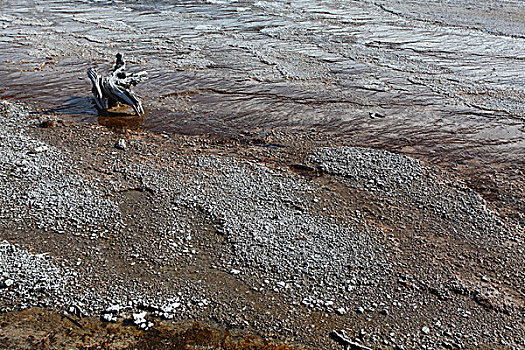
column 347, row 344
column 116, row 88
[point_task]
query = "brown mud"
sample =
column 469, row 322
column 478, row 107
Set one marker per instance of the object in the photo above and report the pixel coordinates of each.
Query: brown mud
column 46, row 329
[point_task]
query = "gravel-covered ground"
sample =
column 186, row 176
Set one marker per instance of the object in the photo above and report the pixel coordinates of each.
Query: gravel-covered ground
column 283, row 236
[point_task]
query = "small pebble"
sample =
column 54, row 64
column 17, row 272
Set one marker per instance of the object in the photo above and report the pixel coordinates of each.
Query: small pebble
column 121, row 144
column 341, row 311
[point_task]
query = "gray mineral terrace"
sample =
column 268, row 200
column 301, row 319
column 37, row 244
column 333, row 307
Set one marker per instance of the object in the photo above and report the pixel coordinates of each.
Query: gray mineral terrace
column 382, row 247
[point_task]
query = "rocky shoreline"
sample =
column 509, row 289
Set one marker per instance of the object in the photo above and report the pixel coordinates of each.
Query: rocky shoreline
column 289, row 237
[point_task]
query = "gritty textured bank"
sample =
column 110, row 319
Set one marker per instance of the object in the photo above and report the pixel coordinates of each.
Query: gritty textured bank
column 390, row 251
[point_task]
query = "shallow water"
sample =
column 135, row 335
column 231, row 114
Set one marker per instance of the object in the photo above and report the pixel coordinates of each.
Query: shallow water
column 436, row 78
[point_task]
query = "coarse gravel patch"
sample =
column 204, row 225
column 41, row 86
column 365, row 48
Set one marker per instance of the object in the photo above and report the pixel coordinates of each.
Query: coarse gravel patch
column 273, row 236
column 406, row 181
column 34, row 278
column 379, row 245
column 43, row 184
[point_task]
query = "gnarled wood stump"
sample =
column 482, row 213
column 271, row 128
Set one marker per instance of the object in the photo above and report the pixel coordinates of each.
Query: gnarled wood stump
column 116, row 88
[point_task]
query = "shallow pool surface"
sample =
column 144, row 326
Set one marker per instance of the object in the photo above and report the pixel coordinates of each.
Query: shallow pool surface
column 436, row 78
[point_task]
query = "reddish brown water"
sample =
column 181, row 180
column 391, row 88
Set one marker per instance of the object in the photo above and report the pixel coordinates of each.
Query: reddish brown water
column 440, row 79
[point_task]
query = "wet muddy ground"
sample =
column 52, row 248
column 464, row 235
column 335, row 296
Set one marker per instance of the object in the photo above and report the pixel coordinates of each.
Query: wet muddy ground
column 41, row 329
